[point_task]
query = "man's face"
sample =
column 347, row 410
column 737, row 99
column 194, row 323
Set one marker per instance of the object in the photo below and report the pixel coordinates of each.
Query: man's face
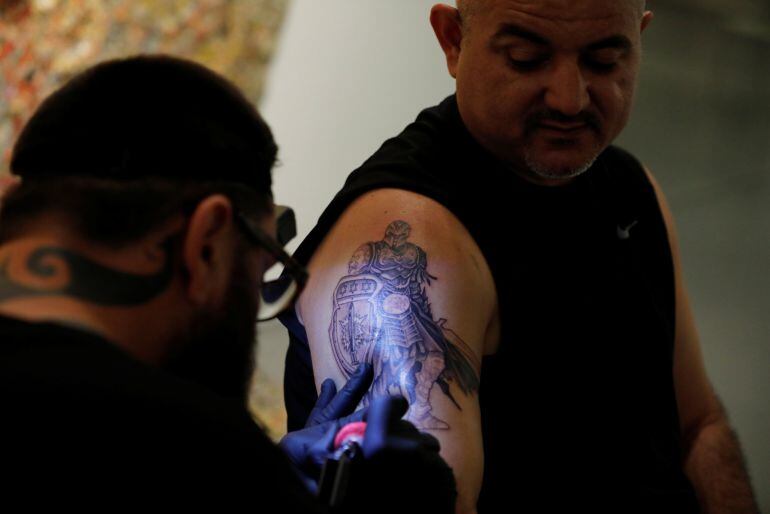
column 547, row 85
column 218, row 351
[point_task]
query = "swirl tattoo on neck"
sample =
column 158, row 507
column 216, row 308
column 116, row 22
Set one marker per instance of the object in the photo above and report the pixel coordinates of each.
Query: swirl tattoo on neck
column 41, row 270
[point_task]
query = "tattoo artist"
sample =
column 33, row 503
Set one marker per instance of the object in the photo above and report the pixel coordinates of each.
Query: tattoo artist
column 132, row 254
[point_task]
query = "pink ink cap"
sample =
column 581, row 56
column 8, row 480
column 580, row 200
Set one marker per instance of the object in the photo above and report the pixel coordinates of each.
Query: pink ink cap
column 352, row 432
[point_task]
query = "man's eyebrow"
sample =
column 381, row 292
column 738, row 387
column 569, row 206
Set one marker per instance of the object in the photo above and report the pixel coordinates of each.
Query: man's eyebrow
column 619, row 42
column 509, row 29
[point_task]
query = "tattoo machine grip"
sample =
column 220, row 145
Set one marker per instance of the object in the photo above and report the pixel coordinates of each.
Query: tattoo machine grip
column 335, row 474
column 350, row 433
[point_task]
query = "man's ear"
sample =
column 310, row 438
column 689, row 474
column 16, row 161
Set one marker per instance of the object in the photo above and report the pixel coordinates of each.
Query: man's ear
column 646, row 19
column 449, row 32
column 8, row 183
column 207, row 249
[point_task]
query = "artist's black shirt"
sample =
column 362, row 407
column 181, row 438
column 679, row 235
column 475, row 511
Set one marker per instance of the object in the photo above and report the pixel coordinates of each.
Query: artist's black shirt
column 83, row 424
column 578, row 405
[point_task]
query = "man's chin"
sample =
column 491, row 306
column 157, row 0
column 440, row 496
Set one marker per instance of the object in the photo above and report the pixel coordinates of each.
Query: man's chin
column 555, row 168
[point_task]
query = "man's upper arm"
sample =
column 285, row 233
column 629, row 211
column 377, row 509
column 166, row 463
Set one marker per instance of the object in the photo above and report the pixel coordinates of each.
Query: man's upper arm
column 695, row 397
column 399, row 282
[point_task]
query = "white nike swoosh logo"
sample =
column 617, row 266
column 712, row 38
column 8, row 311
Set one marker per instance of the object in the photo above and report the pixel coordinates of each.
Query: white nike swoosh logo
column 625, row 233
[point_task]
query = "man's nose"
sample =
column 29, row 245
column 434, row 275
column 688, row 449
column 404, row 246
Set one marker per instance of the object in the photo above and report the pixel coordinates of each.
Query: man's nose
column 567, row 89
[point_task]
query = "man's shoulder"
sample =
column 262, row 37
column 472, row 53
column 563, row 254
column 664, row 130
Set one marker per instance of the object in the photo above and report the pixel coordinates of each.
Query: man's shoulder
column 86, row 381
column 619, row 157
column 423, row 159
column 71, row 397
column 430, row 139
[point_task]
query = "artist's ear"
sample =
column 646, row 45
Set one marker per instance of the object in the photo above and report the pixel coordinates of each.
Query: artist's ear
column 207, row 250
column 448, row 29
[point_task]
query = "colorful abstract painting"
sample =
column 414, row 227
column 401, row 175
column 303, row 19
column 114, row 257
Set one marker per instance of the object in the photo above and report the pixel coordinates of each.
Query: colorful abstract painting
column 44, row 42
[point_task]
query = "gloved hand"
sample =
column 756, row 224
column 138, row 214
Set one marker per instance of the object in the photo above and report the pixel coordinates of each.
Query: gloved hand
column 307, row 449
column 332, row 405
column 402, row 470
column 387, row 432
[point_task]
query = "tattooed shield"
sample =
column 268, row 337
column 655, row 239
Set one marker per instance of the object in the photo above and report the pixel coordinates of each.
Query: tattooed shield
column 355, row 321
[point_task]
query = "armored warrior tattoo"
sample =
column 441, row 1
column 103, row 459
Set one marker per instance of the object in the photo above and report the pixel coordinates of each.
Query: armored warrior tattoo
column 382, row 316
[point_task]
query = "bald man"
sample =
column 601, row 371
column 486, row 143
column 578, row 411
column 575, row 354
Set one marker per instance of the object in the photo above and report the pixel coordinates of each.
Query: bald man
column 517, row 278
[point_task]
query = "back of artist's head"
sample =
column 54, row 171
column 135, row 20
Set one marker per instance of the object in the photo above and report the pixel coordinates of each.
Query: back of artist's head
column 132, row 174
column 107, row 147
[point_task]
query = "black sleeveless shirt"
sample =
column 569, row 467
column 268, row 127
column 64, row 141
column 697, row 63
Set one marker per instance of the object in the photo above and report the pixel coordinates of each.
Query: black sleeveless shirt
column 578, row 406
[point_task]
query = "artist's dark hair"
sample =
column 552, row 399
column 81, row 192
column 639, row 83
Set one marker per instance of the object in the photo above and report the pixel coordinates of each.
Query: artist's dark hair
column 127, row 143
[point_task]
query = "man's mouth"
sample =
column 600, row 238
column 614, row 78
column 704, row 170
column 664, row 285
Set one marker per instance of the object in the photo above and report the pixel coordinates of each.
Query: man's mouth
column 563, row 128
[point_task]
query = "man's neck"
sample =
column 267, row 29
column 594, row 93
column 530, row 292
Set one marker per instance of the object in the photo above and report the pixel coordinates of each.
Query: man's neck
column 117, row 296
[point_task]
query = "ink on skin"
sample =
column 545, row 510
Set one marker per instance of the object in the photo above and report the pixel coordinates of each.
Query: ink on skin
column 52, row 271
column 382, row 316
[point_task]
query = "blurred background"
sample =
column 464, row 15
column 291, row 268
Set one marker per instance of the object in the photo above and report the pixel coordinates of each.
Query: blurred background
column 335, row 78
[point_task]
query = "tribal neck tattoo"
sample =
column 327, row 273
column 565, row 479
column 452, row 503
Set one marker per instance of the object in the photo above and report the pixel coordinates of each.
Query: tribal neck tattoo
column 382, row 316
column 51, row 271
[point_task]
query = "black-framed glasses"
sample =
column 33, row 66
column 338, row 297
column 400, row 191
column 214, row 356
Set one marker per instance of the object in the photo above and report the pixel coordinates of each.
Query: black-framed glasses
column 279, row 294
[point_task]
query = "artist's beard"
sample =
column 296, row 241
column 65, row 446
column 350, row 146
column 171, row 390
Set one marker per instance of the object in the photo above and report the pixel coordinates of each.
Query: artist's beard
column 218, row 352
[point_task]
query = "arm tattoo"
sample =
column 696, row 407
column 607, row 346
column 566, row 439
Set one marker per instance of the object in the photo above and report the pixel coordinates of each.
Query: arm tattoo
column 51, row 271
column 382, row 316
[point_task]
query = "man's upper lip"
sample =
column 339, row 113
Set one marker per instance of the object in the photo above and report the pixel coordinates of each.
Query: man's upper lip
column 563, row 126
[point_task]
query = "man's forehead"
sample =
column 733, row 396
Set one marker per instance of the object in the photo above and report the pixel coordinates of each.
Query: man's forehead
column 557, row 10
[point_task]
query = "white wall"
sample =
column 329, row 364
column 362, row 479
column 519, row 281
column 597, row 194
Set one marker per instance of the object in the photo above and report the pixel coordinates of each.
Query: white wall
column 347, row 75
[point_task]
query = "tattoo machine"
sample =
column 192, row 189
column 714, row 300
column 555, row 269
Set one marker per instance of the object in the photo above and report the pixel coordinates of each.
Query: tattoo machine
column 335, row 474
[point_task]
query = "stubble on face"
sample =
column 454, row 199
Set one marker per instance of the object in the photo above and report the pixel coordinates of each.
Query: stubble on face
column 551, row 173
column 549, row 170
column 218, row 351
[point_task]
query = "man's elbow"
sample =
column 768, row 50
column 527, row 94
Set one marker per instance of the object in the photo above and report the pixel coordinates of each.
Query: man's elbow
column 711, row 414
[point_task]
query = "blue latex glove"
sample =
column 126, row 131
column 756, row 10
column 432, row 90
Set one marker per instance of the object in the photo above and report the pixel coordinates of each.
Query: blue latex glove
column 332, row 405
column 308, row 449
